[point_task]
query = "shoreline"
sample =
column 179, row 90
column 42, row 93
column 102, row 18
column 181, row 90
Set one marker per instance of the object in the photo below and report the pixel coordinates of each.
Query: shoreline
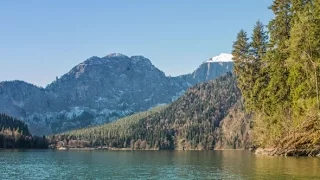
column 130, row 149
column 315, row 152
column 258, row 151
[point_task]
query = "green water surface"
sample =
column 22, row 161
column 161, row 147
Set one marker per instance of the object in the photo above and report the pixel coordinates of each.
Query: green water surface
column 51, row 164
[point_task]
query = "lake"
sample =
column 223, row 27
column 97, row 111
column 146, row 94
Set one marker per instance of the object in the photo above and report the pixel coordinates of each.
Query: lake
column 51, row 164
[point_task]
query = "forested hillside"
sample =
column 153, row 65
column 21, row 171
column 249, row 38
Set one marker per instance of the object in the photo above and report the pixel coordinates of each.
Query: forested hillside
column 109, row 134
column 279, row 77
column 191, row 122
column 15, row 134
column 235, row 130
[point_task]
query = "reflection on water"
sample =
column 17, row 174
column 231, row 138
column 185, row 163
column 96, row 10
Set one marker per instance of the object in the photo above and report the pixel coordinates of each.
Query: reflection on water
column 49, row 164
column 251, row 166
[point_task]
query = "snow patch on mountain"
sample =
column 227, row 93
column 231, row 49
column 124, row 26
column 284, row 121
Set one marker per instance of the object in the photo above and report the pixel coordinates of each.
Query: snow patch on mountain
column 112, row 55
column 223, row 57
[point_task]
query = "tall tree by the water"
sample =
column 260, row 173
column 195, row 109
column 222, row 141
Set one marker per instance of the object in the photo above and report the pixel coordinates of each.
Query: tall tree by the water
column 284, row 93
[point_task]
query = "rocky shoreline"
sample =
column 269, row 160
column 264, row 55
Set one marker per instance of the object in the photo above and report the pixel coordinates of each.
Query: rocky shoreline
column 100, row 148
column 271, row 151
column 258, row 151
column 312, row 152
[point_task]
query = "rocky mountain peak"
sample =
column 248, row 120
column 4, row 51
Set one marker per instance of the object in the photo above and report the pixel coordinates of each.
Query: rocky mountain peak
column 141, row 60
column 98, row 90
column 116, row 55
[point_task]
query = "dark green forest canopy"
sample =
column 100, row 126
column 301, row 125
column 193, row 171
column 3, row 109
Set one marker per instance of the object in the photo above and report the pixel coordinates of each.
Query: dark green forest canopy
column 15, row 134
column 13, row 124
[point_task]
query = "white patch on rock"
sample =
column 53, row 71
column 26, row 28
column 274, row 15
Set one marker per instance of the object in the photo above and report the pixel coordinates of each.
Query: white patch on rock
column 223, row 57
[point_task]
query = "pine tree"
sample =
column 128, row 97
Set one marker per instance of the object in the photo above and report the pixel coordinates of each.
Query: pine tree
column 285, row 96
column 272, row 111
column 262, row 73
column 279, row 28
column 257, row 51
column 304, row 46
column 259, row 41
column 242, row 64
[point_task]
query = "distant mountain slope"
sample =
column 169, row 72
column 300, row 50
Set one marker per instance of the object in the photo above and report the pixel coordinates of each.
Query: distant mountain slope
column 99, row 90
column 211, row 69
column 94, row 92
column 18, row 98
column 192, row 122
column 115, row 82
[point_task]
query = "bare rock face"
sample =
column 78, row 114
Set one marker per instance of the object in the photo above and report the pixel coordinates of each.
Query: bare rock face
column 210, row 69
column 97, row 91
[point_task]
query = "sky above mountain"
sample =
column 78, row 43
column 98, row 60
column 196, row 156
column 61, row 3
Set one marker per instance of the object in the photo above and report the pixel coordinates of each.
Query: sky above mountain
column 40, row 40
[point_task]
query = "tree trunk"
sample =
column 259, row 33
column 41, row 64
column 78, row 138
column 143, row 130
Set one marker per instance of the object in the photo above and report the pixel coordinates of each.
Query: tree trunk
column 317, row 88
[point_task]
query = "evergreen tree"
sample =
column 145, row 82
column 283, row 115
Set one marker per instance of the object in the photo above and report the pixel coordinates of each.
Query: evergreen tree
column 259, row 42
column 285, row 96
column 304, row 46
column 15, row 134
column 257, row 51
column 279, row 28
column 272, row 111
column 242, row 64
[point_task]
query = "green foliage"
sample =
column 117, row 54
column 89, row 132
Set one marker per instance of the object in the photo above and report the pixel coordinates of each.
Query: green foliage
column 115, row 134
column 247, row 57
column 242, row 65
column 279, row 26
column 259, row 42
column 284, row 97
column 304, row 57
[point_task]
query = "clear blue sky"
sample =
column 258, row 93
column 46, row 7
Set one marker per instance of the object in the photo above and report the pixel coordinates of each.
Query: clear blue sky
column 40, row 40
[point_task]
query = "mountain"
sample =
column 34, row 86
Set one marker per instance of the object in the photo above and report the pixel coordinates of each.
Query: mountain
column 100, row 90
column 199, row 120
column 19, row 98
column 211, row 69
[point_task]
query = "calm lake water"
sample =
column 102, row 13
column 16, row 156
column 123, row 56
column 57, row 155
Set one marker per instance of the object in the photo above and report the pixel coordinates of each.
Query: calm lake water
column 50, row 164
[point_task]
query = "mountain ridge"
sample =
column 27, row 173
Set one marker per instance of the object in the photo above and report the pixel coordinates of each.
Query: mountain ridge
column 96, row 91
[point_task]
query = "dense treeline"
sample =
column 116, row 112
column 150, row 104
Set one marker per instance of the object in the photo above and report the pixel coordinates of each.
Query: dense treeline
column 279, row 77
column 15, row 134
column 188, row 123
column 13, row 124
column 109, row 134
